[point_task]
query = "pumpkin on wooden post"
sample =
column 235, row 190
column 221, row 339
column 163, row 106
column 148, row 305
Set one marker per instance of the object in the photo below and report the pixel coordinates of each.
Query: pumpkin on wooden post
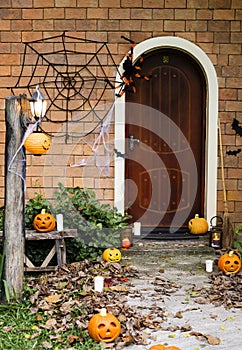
column 104, row 327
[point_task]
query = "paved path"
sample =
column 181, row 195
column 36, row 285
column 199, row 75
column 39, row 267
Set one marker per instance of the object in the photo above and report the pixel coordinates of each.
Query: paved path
column 168, row 273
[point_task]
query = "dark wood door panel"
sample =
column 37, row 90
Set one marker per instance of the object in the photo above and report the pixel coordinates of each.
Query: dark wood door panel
column 163, row 187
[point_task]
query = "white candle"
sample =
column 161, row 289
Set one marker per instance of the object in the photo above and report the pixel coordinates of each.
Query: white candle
column 137, row 228
column 209, row 265
column 59, row 219
column 98, row 283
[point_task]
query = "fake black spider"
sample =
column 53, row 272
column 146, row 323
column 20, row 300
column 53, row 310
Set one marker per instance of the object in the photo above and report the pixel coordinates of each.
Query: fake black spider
column 130, row 71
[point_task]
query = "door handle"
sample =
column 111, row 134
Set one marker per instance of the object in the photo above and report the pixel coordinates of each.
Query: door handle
column 132, row 142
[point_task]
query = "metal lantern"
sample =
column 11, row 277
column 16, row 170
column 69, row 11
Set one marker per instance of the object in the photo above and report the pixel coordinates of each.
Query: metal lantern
column 38, row 104
column 216, row 232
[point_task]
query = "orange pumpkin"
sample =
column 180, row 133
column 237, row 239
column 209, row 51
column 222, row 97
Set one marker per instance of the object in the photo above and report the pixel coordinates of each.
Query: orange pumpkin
column 229, row 263
column 44, row 222
column 112, row 255
column 198, row 225
column 162, row 347
column 37, row 143
column 104, row 327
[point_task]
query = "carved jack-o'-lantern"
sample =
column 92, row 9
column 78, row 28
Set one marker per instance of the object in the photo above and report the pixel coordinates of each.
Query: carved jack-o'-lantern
column 104, row 327
column 158, row 347
column 229, row 263
column 37, row 143
column 44, row 222
column 112, row 255
column 162, row 347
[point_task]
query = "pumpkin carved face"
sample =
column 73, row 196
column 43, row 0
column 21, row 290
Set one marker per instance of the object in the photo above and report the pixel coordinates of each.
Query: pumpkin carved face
column 229, row 263
column 104, row 327
column 44, row 222
column 37, row 143
column 198, row 225
column 112, row 255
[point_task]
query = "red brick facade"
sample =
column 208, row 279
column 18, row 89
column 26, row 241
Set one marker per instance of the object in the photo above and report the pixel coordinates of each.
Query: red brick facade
column 214, row 25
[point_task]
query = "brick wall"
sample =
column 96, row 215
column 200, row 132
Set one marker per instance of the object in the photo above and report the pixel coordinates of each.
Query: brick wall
column 214, row 25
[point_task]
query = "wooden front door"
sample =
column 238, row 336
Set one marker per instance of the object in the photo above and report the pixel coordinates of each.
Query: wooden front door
column 165, row 142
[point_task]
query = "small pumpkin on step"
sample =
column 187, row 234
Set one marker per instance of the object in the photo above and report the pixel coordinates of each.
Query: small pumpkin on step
column 198, row 226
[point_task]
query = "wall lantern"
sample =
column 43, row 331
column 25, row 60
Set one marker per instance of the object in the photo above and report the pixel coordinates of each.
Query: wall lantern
column 38, row 104
column 37, row 142
column 216, row 232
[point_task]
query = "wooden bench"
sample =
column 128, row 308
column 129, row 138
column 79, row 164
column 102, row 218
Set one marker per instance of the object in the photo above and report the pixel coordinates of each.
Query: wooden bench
column 59, row 248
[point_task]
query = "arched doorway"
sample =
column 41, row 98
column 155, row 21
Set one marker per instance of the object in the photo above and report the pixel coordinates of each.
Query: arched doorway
column 209, row 163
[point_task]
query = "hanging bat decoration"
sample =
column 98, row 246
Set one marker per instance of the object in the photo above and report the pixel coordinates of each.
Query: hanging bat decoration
column 130, row 71
column 233, row 153
column 119, row 154
column 236, row 127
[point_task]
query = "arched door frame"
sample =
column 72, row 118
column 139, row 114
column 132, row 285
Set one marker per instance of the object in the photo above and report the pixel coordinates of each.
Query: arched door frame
column 210, row 75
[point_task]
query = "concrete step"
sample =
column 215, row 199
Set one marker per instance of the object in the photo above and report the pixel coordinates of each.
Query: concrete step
column 152, row 256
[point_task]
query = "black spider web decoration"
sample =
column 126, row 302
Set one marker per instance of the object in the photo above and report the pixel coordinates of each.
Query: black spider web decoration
column 75, row 74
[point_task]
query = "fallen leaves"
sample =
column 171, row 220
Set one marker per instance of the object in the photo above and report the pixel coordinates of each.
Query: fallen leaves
column 68, row 298
column 223, row 290
column 210, row 339
column 54, row 298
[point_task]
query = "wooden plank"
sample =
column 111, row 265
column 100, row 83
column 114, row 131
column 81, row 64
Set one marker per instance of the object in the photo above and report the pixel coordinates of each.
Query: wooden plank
column 40, row 269
column 31, row 235
column 34, row 235
column 63, row 252
column 49, row 257
column 13, row 271
column 58, row 252
column 28, row 262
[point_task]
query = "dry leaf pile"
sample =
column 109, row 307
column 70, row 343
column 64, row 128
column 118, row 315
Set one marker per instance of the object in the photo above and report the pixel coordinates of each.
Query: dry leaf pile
column 67, row 297
column 224, row 290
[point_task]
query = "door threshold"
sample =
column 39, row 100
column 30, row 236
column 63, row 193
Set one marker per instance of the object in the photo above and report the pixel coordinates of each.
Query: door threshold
column 168, row 234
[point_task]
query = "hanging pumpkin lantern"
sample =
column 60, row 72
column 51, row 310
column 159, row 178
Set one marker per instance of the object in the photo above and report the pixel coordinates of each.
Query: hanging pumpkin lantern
column 198, row 225
column 37, row 143
column 44, row 222
column 229, row 263
column 112, row 255
column 104, row 327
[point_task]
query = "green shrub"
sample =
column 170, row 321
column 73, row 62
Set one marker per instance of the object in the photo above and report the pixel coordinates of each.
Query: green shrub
column 98, row 225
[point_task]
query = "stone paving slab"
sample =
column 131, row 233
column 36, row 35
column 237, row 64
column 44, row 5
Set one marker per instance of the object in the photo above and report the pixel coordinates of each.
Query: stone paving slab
column 182, row 263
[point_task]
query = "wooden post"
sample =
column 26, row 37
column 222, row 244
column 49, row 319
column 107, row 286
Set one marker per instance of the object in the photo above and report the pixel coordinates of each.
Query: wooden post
column 14, row 229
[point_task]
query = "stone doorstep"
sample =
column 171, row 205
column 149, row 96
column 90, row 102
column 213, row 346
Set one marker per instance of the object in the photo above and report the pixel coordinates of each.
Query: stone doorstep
column 178, row 247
